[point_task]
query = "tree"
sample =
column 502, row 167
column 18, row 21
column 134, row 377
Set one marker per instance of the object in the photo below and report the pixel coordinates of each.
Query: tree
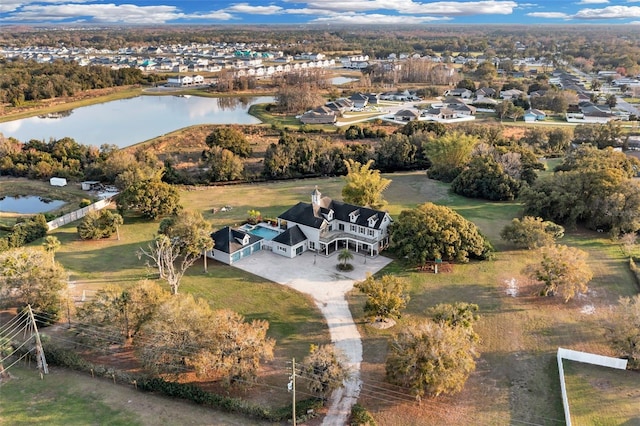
column 386, row 297
column 504, row 109
column 192, row 233
column 364, row 185
column 28, row 277
column 99, row 224
column 185, row 333
column 6, row 350
column 223, row 164
column 449, row 154
column 230, row 138
column 115, row 315
column 344, row 257
column 593, row 187
column 51, row 244
column 624, row 329
column 563, row 270
column 485, row 178
column 152, row 198
column 324, row 369
column 531, row 232
column 459, row 314
column 431, row 358
column 430, row 232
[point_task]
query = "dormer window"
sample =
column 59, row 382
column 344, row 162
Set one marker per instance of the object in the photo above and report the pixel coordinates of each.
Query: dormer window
column 244, row 240
column 372, row 221
column 354, row 215
column 330, row 215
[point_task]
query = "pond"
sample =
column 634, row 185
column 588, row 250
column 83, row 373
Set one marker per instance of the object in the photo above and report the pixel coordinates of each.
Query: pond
column 28, row 204
column 126, row 122
column 337, row 81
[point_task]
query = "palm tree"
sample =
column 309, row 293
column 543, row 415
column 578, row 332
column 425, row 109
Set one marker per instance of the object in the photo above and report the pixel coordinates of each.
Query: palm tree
column 344, row 256
column 51, row 244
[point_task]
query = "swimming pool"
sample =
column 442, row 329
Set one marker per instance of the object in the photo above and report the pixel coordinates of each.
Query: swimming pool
column 261, row 231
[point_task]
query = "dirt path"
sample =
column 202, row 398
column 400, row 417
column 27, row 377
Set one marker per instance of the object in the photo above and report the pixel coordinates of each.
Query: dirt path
column 317, row 276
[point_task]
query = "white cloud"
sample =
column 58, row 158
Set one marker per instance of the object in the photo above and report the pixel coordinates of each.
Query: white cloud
column 449, row 8
column 592, row 1
column 106, row 13
column 254, row 10
column 609, row 12
column 549, row 15
column 360, row 19
column 13, row 5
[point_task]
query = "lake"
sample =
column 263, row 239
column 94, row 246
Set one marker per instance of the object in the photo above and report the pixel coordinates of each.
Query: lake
column 126, row 122
column 28, row 204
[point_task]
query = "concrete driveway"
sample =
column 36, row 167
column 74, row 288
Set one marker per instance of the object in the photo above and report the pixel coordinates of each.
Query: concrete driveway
column 318, row 277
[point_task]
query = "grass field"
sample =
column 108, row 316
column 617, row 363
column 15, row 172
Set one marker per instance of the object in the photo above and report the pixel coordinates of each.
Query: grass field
column 516, row 381
column 602, row 396
column 68, row 398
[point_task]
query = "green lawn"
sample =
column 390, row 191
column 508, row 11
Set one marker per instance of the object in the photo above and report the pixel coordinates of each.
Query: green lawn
column 56, row 400
column 602, row 396
column 516, row 379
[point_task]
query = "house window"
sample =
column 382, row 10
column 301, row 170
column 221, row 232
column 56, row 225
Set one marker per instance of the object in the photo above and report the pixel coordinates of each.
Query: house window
column 361, row 230
column 280, row 248
column 312, row 245
column 341, row 226
column 372, row 232
column 353, row 228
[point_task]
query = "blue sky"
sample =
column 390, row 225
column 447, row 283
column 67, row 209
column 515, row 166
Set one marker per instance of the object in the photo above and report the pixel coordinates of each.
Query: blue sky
column 325, row 12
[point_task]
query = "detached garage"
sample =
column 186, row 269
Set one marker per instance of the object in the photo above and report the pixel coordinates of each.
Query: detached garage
column 56, row 181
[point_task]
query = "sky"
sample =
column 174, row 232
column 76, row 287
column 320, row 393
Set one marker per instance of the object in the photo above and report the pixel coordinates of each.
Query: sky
column 320, row 12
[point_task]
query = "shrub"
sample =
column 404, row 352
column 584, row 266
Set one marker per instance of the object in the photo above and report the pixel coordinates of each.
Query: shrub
column 361, row 417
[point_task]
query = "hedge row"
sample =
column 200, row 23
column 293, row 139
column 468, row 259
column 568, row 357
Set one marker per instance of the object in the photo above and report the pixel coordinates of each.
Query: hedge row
column 62, row 357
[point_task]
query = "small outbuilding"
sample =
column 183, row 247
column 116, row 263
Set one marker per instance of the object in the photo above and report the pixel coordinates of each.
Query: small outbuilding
column 56, row 181
column 90, row 185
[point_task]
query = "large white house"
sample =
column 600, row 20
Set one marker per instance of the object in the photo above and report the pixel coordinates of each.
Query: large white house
column 322, row 226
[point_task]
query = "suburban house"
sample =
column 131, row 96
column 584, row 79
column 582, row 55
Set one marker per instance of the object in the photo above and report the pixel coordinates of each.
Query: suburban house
column 442, row 113
column 485, row 92
column 533, row 114
column 359, row 100
column 461, row 93
column 185, row 80
column 322, row 226
column 511, row 94
column 320, row 115
column 407, row 115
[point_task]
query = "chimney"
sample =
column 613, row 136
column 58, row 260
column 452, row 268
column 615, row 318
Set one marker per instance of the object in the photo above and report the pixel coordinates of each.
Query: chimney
column 315, row 196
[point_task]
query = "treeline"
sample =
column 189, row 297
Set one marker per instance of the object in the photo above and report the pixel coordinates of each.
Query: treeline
column 595, row 47
column 22, row 81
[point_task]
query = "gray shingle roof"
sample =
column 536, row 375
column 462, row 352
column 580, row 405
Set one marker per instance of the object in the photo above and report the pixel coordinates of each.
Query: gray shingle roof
column 291, row 236
column 226, row 239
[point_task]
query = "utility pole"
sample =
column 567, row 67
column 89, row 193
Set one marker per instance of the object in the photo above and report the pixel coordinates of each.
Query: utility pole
column 292, row 388
column 42, row 361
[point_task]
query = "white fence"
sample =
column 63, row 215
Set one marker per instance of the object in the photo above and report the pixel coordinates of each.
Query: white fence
column 78, row 214
column 587, row 358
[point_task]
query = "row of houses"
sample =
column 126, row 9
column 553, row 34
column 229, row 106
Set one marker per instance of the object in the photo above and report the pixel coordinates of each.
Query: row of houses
column 329, row 112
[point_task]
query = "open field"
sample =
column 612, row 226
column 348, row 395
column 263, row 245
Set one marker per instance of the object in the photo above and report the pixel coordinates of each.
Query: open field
column 70, row 398
column 516, row 381
column 617, row 394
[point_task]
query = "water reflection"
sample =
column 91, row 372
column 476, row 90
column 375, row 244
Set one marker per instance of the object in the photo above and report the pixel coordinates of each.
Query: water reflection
column 128, row 121
column 230, row 103
column 28, row 204
column 59, row 114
